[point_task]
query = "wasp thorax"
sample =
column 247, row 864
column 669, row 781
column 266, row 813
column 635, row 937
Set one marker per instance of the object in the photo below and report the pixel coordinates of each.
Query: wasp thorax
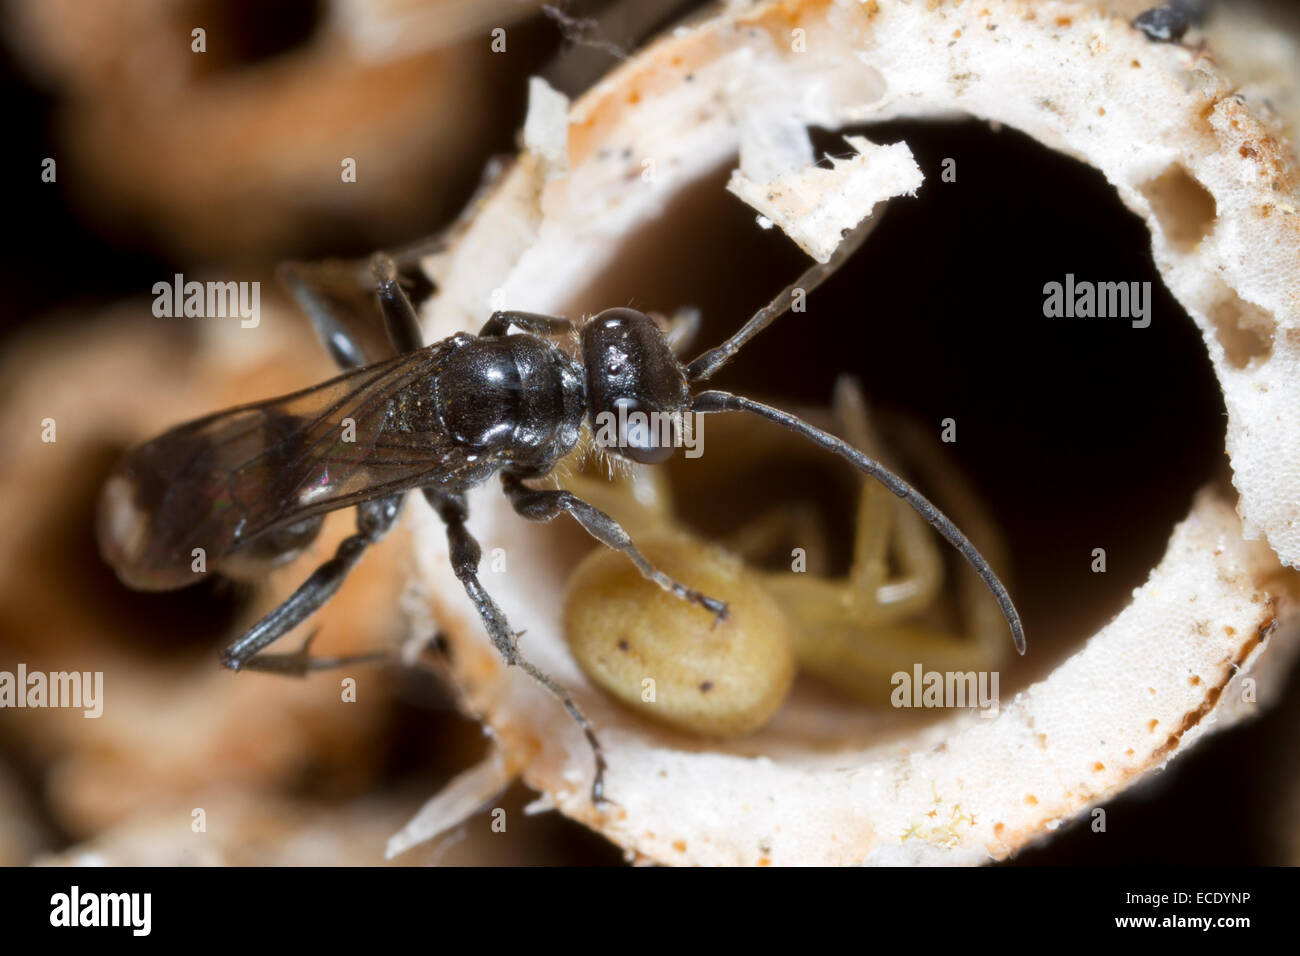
column 636, row 388
column 478, row 394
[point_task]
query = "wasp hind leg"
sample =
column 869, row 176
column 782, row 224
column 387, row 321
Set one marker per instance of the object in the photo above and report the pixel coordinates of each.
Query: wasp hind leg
column 374, row 519
column 299, row 663
column 465, row 556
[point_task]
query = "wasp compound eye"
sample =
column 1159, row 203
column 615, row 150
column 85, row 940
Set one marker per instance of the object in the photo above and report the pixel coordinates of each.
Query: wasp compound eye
column 636, row 388
column 646, row 437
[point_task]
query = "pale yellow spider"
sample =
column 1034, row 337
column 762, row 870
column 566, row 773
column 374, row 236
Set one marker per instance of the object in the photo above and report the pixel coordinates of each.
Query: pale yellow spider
column 883, row 617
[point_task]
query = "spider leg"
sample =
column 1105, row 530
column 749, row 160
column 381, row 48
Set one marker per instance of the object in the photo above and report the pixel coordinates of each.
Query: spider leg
column 886, row 525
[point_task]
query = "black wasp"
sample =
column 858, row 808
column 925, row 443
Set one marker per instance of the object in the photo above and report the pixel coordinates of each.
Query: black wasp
column 249, row 485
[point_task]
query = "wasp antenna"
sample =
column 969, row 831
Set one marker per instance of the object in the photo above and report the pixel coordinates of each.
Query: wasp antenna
column 712, row 360
column 713, row 402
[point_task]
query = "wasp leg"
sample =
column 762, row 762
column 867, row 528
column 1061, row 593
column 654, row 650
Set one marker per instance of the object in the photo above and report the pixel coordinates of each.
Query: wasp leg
column 499, row 323
column 545, row 505
column 336, row 295
column 329, row 293
column 399, row 315
column 465, row 556
column 374, row 519
column 299, row 662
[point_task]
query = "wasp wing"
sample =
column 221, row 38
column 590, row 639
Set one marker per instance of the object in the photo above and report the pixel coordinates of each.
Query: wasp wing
column 234, row 481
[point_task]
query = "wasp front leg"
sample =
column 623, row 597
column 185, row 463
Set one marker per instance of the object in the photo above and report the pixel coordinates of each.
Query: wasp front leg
column 545, row 505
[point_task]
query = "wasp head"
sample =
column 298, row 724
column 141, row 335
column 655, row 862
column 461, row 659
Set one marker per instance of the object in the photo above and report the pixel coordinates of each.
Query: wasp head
column 636, row 389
